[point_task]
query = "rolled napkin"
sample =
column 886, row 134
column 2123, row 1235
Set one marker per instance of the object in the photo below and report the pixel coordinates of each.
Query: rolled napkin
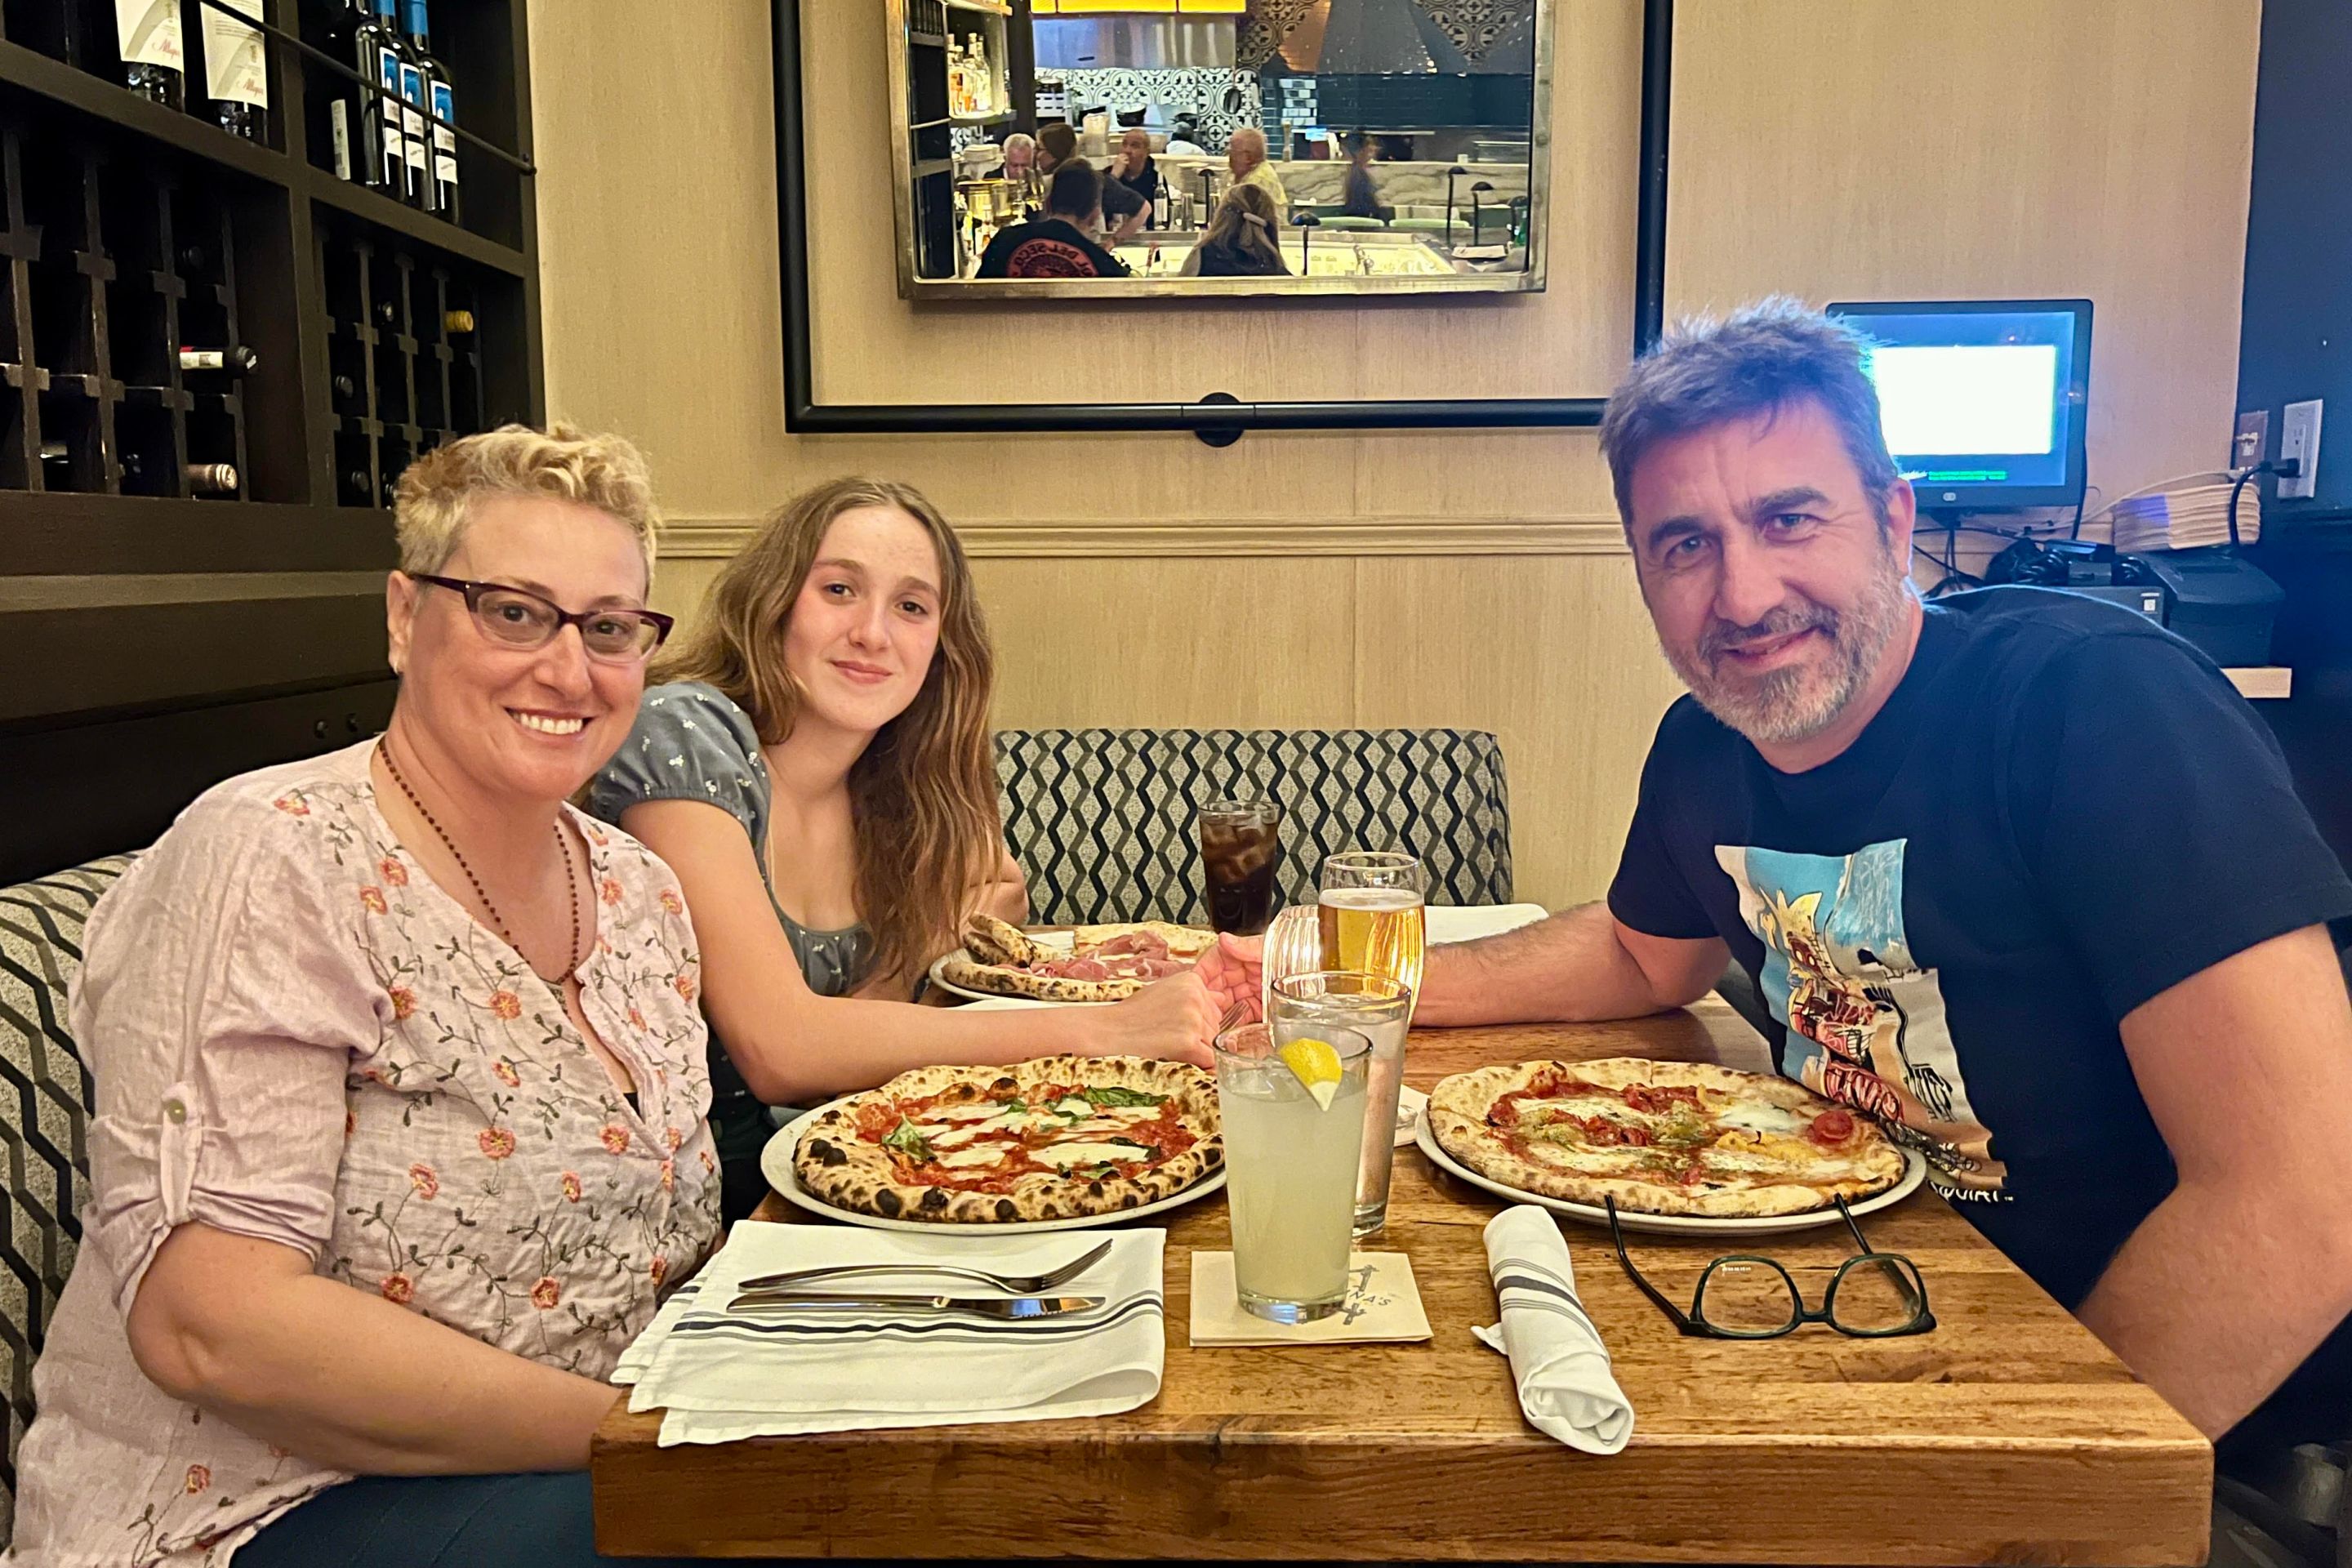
column 1566, row 1390
column 720, row 1375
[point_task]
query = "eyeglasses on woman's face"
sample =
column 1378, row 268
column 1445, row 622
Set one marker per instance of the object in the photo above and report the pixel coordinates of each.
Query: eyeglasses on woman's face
column 522, row 620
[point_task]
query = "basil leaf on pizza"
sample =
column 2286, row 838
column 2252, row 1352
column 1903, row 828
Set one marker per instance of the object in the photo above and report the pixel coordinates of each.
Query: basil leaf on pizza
column 1056, row 1138
column 1678, row 1138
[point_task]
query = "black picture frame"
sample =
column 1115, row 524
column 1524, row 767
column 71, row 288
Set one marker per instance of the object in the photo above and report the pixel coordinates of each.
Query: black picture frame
column 1219, row 417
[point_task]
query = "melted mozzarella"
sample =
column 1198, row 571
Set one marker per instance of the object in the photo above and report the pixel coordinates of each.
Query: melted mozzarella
column 1079, row 1154
column 986, row 1155
column 949, row 1138
column 980, row 1112
column 1074, row 1106
column 1755, row 1118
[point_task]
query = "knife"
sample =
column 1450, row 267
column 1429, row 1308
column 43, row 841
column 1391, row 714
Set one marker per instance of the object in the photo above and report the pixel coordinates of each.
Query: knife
column 1012, row 1309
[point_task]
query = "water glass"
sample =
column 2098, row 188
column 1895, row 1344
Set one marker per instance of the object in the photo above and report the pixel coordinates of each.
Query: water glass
column 1290, row 1166
column 1381, row 1011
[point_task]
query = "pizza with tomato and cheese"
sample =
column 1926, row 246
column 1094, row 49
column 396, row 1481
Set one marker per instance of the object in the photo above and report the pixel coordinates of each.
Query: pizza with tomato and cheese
column 1678, row 1138
column 1102, row 962
column 1056, row 1137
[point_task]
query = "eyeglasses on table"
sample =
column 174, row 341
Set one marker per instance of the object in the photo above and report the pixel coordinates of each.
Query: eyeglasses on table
column 1747, row 1295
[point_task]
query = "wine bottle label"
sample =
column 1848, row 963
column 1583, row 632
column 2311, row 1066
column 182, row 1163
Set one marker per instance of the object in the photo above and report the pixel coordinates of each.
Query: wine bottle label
column 396, row 145
column 149, row 31
column 412, row 119
column 445, row 140
column 339, row 127
column 235, row 71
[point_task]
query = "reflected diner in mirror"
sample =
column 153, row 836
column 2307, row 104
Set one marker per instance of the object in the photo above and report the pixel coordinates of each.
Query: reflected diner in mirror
column 1398, row 148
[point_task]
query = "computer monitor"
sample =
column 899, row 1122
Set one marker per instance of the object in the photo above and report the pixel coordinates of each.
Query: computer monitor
column 1982, row 401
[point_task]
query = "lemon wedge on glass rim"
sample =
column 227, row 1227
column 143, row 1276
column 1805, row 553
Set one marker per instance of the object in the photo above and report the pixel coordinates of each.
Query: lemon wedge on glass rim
column 1315, row 1065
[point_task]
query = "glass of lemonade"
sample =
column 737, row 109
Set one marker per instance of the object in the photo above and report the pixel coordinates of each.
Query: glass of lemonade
column 1381, row 1010
column 1294, row 1128
column 1370, row 907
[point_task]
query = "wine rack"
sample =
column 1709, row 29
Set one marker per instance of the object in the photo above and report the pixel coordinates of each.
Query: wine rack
column 192, row 544
column 405, row 374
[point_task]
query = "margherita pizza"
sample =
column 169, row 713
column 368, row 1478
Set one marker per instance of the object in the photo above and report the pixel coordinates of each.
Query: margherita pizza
column 1103, row 963
column 1680, row 1138
column 1056, row 1137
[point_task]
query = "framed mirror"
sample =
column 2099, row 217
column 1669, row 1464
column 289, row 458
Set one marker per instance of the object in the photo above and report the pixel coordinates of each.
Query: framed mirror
column 1124, row 149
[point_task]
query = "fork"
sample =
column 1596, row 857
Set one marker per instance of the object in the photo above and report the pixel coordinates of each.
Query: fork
column 1012, row 1284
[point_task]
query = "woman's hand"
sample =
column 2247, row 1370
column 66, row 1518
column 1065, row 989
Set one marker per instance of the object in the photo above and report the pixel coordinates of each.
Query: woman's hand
column 1234, row 971
column 1175, row 1018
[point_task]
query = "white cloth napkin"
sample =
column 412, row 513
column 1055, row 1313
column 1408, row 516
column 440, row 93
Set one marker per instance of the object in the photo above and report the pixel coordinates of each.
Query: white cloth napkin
column 720, row 1377
column 1566, row 1390
column 1466, row 922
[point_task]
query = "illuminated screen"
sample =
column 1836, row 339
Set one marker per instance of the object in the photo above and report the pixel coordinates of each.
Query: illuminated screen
column 1975, row 397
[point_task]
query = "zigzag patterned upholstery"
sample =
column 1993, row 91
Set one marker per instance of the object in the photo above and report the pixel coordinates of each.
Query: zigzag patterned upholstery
column 44, row 1123
column 1101, row 820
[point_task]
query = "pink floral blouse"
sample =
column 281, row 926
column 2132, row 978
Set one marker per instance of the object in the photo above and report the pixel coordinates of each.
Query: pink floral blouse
column 295, row 1034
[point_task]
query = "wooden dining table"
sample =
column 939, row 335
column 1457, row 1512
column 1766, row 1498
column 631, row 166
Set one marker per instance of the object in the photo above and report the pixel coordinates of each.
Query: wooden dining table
column 2008, row 1434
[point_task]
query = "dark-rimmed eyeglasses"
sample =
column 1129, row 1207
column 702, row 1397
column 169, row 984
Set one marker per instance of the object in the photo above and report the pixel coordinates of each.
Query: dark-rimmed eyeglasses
column 1744, row 1296
column 518, row 619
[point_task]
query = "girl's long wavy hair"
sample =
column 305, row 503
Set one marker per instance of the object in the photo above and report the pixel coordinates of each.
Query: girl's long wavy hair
column 923, row 794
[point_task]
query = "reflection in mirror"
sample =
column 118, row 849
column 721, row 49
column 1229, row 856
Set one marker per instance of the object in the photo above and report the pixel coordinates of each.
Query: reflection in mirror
column 1108, row 147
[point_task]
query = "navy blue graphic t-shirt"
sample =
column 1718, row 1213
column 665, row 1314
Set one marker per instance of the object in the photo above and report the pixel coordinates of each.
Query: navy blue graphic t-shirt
column 2062, row 811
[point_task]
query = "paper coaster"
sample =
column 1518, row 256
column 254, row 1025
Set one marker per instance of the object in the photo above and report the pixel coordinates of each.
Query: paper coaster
column 1384, row 1303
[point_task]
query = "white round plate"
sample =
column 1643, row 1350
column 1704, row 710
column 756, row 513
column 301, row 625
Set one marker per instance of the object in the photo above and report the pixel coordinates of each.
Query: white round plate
column 967, row 994
column 776, row 1164
column 1915, row 1173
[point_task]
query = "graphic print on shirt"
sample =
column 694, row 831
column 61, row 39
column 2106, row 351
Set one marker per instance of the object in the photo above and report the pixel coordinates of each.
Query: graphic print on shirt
column 1866, row 1026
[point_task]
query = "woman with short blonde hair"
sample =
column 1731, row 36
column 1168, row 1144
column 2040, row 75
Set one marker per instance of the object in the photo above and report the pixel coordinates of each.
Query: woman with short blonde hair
column 399, row 1138
column 816, row 764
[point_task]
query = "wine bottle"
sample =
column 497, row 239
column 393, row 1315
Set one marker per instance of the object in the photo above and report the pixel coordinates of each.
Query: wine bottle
column 54, row 452
column 354, row 124
column 406, row 80
column 457, row 323
column 236, row 74
column 357, row 487
column 235, row 360
column 347, row 388
column 387, row 313
column 441, row 142
column 152, row 49
column 202, row 478
column 392, row 126
column 193, row 261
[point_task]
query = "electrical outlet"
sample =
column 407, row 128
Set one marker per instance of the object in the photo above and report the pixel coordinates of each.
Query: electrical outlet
column 2299, row 439
column 2252, row 438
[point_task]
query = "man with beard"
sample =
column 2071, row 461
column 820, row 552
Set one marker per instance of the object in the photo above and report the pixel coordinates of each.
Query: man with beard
column 2126, row 1057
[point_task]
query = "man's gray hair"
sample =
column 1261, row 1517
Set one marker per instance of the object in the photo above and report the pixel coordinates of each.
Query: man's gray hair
column 1761, row 359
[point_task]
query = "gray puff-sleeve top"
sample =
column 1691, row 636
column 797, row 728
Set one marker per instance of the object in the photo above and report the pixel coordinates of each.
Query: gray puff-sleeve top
column 692, row 743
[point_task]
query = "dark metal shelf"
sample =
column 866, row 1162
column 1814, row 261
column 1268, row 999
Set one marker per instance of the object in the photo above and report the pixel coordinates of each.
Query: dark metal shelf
column 380, row 210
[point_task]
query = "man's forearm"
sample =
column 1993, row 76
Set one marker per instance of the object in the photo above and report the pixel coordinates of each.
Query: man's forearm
column 1570, row 968
column 2217, row 1297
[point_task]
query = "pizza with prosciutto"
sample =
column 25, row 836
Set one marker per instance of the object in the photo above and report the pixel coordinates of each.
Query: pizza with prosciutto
column 1054, row 1138
column 1103, row 962
column 1679, row 1138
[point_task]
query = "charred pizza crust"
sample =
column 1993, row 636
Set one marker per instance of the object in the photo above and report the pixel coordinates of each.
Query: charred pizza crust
column 1792, row 1176
column 836, row 1163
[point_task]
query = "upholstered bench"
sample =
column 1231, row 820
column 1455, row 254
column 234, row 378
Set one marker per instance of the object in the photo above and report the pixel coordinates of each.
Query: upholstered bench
column 44, row 1123
column 1102, row 820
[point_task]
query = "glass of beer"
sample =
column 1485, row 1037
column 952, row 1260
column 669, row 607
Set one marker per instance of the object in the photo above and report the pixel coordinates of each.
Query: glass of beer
column 1371, row 916
column 1241, row 848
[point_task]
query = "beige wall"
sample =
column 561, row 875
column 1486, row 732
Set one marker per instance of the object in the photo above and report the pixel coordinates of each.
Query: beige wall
column 1826, row 148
